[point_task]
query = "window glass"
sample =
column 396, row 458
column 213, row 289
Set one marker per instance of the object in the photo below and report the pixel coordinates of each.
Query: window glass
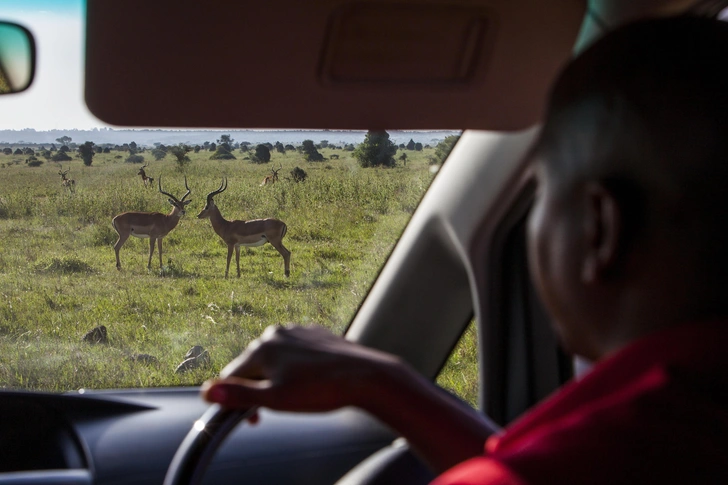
column 460, row 373
column 69, row 319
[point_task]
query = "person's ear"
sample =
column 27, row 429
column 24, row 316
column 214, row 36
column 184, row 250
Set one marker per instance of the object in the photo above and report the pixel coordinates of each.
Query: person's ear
column 603, row 231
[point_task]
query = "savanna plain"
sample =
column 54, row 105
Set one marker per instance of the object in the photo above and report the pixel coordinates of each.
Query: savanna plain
column 58, row 276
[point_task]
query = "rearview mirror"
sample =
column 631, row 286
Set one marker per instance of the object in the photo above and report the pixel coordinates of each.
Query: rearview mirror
column 17, row 58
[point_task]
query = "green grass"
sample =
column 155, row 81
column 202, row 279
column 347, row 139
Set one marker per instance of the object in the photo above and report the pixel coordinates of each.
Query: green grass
column 58, row 278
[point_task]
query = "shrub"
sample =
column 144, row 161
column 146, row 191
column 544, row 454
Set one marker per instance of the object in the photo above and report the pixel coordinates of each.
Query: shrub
column 135, row 159
column 179, row 152
column 87, row 153
column 443, row 149
column 61, row 157
column 262, row 154
column 298, row 174
column 376, row 150
column 32, row 161
column 310, row 153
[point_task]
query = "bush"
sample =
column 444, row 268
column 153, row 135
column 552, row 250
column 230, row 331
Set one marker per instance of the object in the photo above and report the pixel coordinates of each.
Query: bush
column 33, row 161
column 87, row 153
column 135, row 159
column 223, row 153
column 179, row 152
column 310, row 153
column 443, row 149
column 262, row 154
column 298, row 174
column 376, row 150
column 61, row 157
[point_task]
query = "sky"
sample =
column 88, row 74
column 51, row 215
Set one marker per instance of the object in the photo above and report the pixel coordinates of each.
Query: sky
column 55, row 100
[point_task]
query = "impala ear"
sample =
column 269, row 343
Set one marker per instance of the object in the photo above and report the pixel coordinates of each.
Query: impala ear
column 187, row 202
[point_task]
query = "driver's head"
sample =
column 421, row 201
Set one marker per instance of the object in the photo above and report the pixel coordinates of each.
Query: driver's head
column 628, row 232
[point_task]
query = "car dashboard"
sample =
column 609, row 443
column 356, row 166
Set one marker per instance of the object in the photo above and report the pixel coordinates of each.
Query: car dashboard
column 129, row 437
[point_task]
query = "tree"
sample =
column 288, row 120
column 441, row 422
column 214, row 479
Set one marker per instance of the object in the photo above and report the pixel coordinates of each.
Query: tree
column 310, row 153
column 64, row 149
column 64, row 140
column 418, row 147
column 261, row 155
column 226, row 142
column 376, row 150
column 411, row 144
column 179, row 152
column 280, row 148
column 442, row 150
column 87, row 153
column 8, row 151
column 160, row 152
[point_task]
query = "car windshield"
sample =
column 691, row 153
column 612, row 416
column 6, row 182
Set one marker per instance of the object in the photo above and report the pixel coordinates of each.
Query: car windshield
column 69, row 319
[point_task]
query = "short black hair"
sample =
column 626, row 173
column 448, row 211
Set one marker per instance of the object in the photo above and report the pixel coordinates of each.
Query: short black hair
column 644, row 110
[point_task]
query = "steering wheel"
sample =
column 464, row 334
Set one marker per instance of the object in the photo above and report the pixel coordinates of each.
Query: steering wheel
column 392, row 464
column 202, row 441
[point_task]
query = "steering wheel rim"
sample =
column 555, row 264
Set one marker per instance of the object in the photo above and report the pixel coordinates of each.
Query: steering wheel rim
column 194, row 454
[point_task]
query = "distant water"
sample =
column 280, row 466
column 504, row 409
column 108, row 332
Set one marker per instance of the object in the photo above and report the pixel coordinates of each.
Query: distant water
column 198, row 137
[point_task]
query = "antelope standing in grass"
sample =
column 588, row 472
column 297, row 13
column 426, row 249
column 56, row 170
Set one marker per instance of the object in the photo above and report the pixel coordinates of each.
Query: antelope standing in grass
column 152, row 225
column 70, row 184
column 245, row 233
column 148, row 181
column 272, row 178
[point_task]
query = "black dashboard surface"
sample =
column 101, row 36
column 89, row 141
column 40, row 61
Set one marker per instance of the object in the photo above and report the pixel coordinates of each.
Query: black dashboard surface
column 130, row 436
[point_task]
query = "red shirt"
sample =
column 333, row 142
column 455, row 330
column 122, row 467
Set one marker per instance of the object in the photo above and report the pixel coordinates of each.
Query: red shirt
column 654, row 412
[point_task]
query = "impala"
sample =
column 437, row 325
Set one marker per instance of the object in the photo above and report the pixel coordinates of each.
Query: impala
column 273, row 177
column 148, row 181
column 152, row 225
column 245, row 233
column 70, row 184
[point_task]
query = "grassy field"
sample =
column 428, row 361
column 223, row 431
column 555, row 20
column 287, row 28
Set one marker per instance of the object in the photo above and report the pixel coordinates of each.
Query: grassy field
column 58, row 278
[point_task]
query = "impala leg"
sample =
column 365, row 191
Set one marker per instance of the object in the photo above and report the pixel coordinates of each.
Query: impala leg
column 230, row 255
column 151, row 252
column 159, row 245
column 286, row 256
column 117, row 246
column 237, row 259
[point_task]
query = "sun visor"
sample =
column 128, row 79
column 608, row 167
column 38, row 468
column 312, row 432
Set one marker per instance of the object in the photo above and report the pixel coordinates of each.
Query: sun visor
column 326, row 64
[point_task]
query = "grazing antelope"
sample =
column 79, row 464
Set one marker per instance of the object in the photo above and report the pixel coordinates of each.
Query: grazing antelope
column 273, row 178
column 148, row 181
column 153, row 225
column 70, row 184
column 245, row 233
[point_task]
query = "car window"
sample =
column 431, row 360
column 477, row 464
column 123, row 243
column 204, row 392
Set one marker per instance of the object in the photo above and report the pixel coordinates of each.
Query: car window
column 460, row 373
column 70, row 319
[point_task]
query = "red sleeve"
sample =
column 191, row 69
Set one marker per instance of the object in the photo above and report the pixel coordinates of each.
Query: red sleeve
column 481, row 471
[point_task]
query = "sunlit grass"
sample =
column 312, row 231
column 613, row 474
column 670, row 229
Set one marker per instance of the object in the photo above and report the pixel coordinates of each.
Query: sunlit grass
column 58, row 278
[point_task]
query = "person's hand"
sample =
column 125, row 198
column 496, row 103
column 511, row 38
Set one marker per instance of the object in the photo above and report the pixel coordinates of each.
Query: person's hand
column 299, row 369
